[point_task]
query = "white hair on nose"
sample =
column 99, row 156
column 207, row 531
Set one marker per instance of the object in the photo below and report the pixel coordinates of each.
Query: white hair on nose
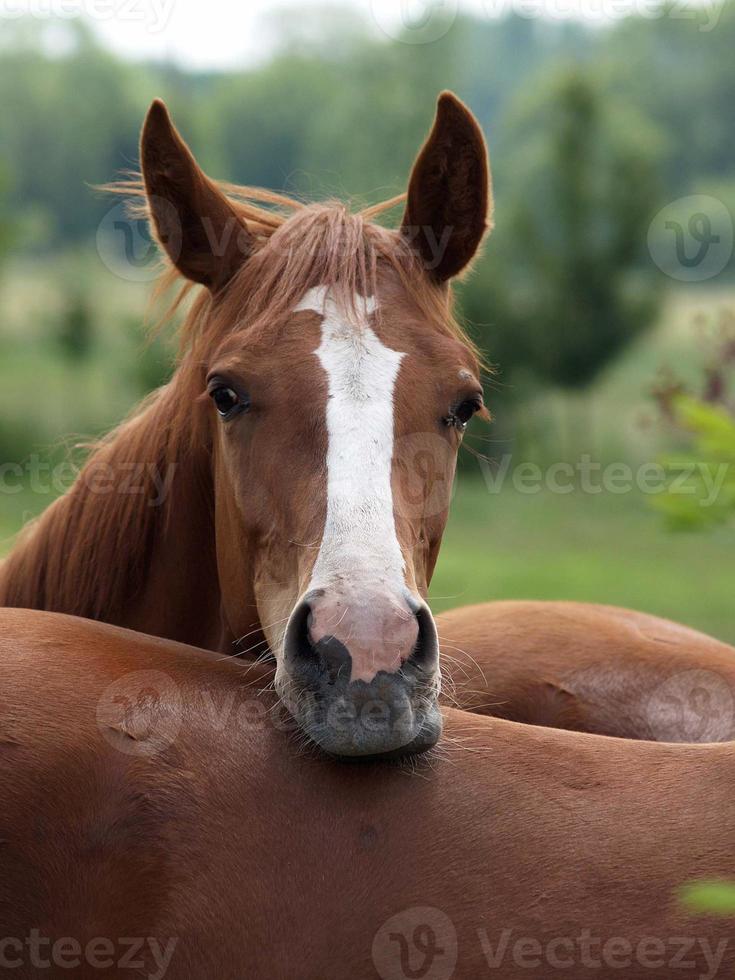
column 360, row 542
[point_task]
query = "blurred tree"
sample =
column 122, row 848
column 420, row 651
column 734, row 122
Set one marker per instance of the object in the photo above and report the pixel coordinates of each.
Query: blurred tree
column 261, row 121
column 153, row 361
column 340, row 106
column 75, row 331
column 567, row 282
column 677, row 69
column 67, row 121
column 7, row 225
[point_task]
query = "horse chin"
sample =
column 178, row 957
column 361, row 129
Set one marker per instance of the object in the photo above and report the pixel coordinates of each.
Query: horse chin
column 357, row 745
column 383, row 719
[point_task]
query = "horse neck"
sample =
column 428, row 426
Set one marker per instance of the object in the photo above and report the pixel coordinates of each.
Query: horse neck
column 180, row 595
column 132, row 542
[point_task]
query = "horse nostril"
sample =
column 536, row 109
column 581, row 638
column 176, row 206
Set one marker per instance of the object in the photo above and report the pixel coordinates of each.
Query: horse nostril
column 425, row 654
column 335, row 658
column 300, row 646
column 327, row 657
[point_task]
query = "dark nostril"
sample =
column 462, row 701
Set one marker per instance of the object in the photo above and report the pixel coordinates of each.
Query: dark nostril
column 335, row 659
column 298, row 633
column 425, row 653
column 328, row 656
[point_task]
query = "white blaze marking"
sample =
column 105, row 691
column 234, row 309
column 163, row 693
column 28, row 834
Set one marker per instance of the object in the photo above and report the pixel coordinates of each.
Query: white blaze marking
column 360, row 542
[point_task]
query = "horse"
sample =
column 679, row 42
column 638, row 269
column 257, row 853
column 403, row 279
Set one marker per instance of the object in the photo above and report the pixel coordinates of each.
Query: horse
column 321, row 365
column 589, row 668
column 157, row 818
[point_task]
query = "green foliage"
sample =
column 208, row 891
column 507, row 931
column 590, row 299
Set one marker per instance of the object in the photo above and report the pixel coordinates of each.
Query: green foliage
column 580, row 126
column 340, row 107
column 701, row 491
column 677, row 69
column 566, row 279
column 709, row 897
column 152, row 361
column 7, row 225
column 66, row 122
column 75, row 327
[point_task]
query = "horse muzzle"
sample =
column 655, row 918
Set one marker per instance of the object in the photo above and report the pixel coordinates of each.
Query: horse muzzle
column 362, row 679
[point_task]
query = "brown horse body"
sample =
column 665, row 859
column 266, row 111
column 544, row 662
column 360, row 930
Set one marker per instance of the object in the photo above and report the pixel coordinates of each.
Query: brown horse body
column 155, row 809
column 590, row 668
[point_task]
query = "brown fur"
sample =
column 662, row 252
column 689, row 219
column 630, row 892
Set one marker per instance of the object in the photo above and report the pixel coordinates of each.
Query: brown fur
column 269, row 862
column 588, row 668
column 449, row 194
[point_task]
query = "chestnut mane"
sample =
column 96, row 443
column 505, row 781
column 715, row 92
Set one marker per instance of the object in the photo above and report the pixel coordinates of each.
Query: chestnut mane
column 88, row 552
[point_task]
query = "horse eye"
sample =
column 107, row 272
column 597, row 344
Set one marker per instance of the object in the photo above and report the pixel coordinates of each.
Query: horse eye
column 461, row 414
column 225, row 399
column 466, row 410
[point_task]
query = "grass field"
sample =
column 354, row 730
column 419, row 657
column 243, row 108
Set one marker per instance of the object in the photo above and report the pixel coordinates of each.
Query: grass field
column 596, row 548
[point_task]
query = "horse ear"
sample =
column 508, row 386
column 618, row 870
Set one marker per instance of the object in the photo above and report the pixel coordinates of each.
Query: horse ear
column 449, row 195
column 194, row 222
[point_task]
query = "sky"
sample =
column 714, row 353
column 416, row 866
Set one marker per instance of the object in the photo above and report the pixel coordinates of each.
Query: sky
column 230, row 33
